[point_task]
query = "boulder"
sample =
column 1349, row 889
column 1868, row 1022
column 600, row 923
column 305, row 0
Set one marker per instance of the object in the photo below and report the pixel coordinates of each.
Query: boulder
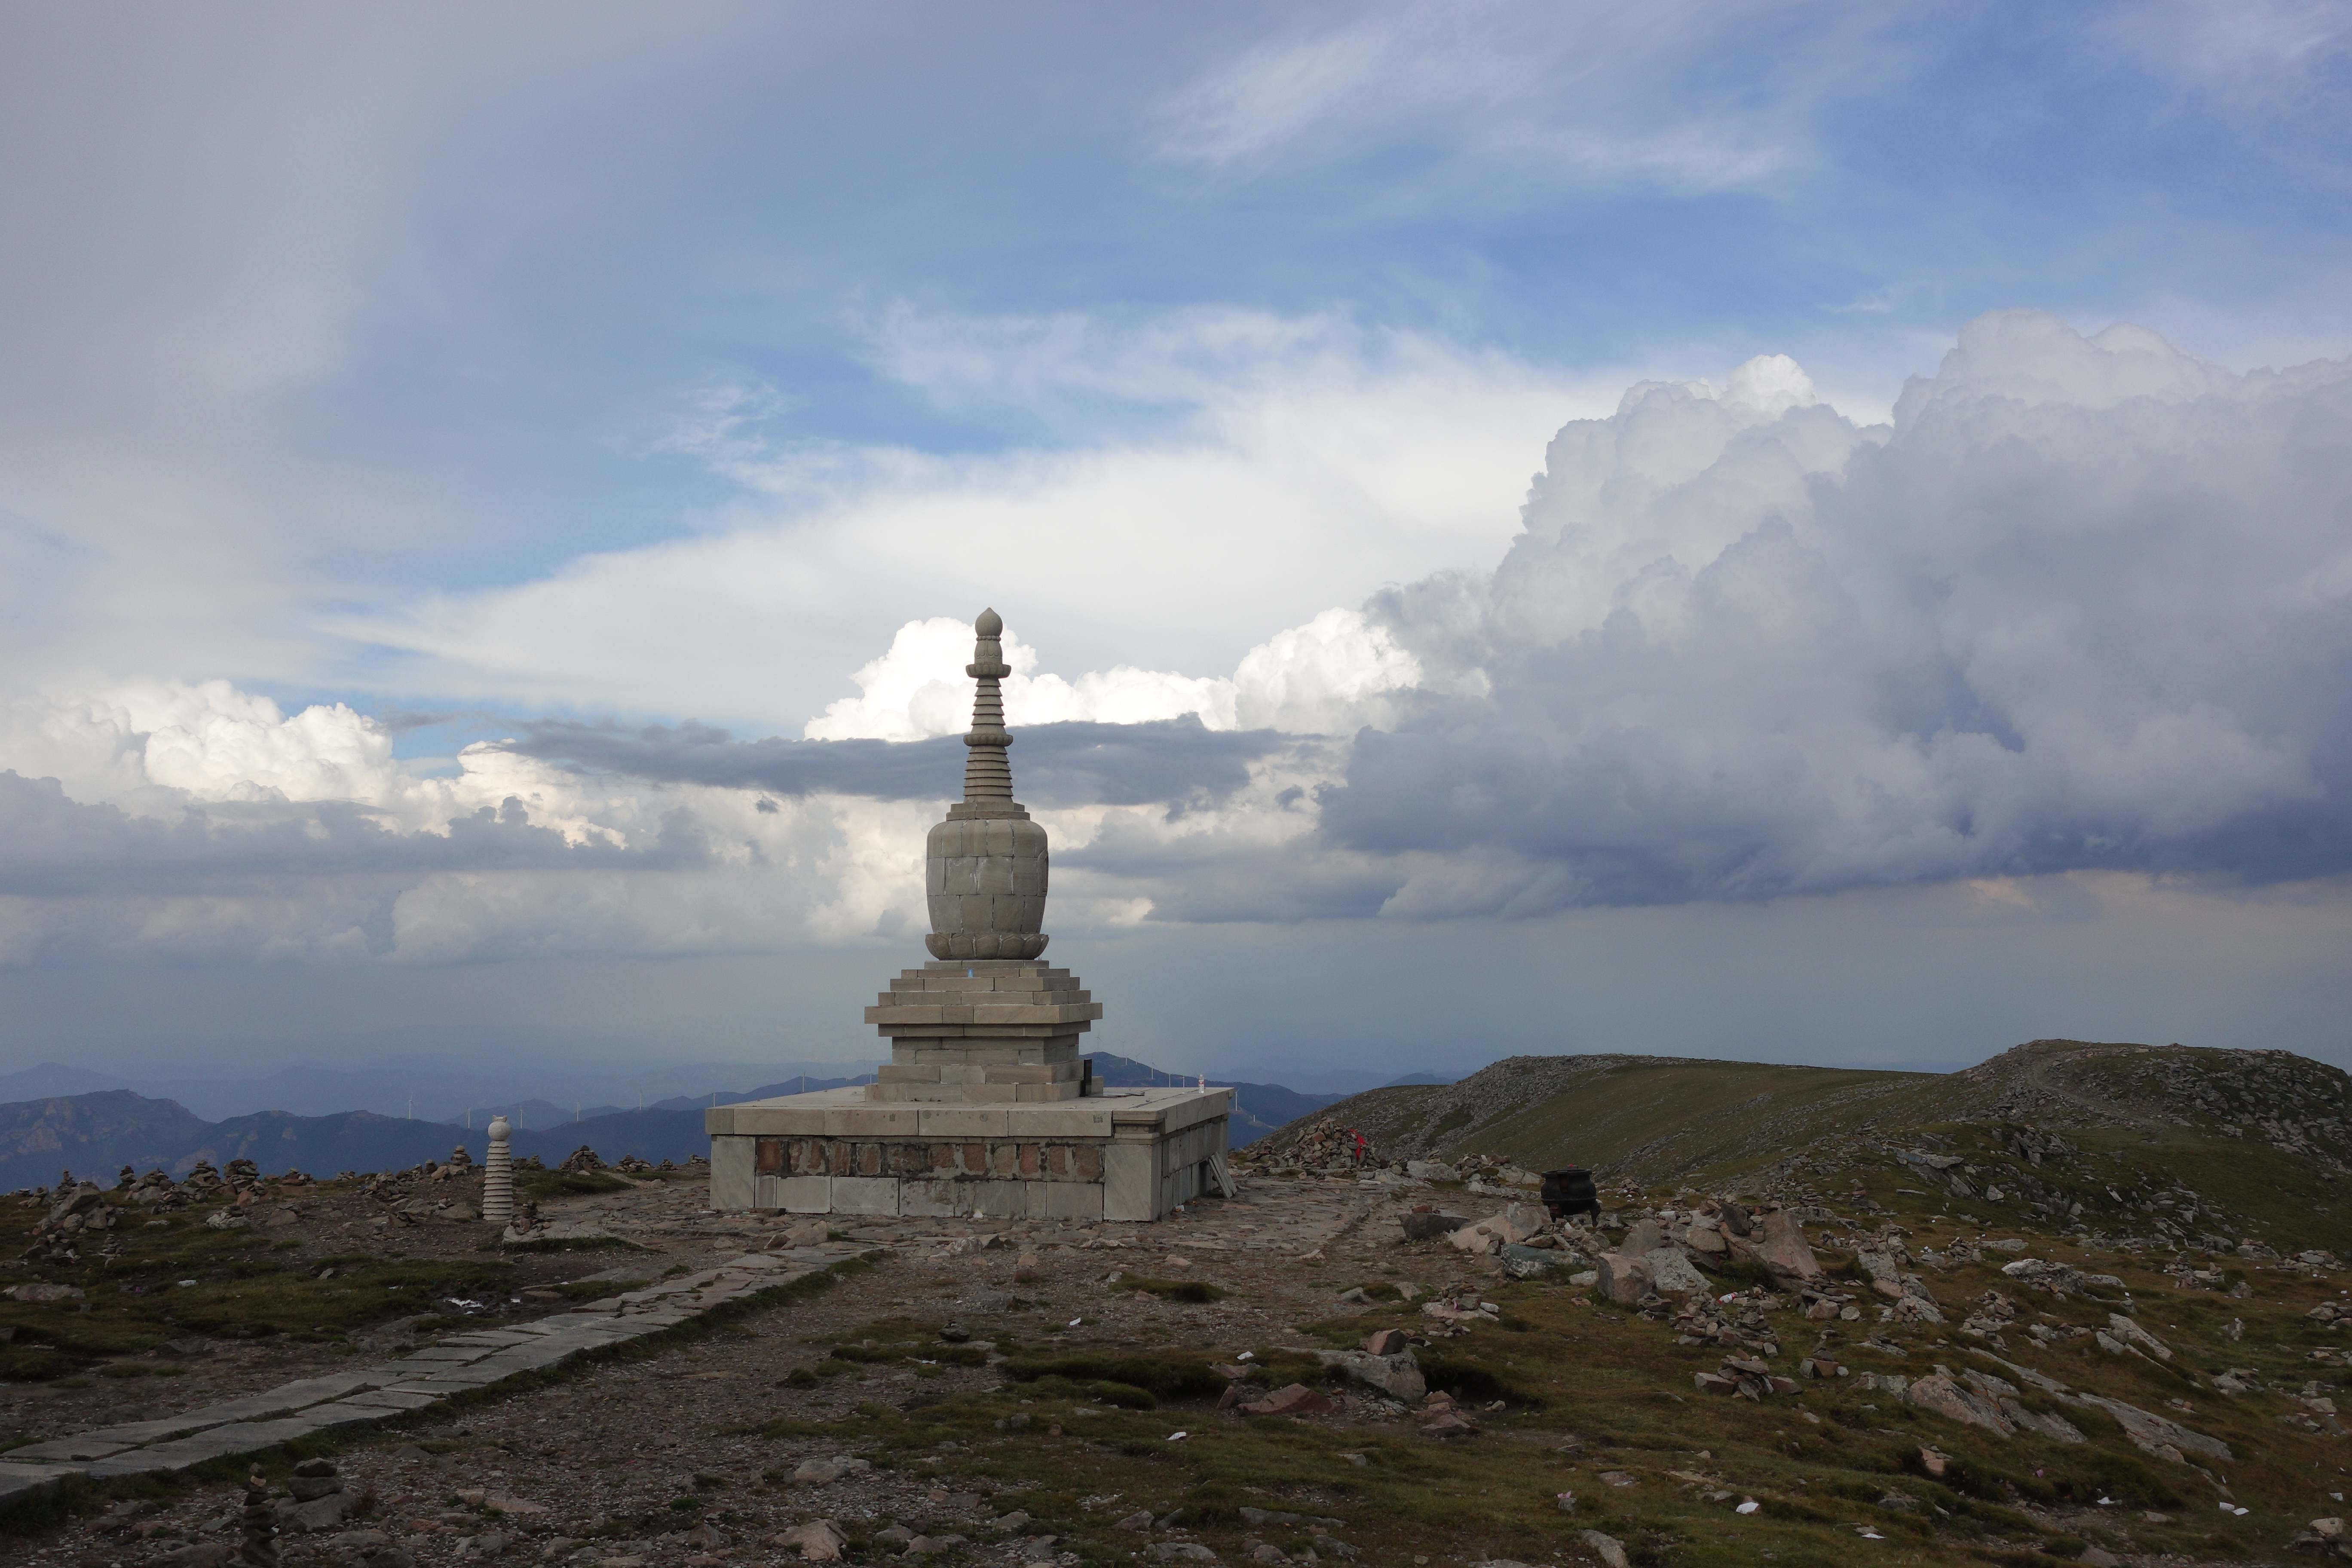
column 1939, row 1396
column 42, row 1295
column 1398, row 1376
column 1644, row 1235
column 1294, row 1399
column 1539, row 1262
column 1507, row 1228
column 1623, row 1279
column 1608, row 1548
column 1428, row 1225
column 1671, row 1274
column 1784, row 1250
column 2061, row 1277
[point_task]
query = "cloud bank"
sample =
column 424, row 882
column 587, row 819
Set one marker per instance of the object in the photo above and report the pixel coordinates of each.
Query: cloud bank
column 2087, row 603
column 2084, row 605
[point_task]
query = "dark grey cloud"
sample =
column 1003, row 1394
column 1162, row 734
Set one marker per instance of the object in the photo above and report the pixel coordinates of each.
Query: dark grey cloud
column 2086, row 605
column 1077, row 763
column 54, row 846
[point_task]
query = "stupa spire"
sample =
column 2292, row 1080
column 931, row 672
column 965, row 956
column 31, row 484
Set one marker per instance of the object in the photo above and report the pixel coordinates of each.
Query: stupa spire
column 987, row 771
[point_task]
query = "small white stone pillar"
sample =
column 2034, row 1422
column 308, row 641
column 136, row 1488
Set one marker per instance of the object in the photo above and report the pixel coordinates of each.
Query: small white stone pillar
column 497, row 1178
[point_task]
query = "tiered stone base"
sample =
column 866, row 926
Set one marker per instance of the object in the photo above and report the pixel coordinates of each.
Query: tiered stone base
column 1123, row 1154
column 983, row 1031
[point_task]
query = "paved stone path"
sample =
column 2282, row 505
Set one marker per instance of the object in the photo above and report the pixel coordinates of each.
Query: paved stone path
column 461, row 1364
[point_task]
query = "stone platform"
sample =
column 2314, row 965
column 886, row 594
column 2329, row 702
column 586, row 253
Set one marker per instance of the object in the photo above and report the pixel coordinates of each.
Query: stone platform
column 1115, row 1155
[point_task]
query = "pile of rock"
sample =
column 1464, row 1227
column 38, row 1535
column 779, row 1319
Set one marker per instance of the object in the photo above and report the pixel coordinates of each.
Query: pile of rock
column 581, row 1161
column 76, row 1214
column 412, row 1196
column 320, row 1501
column 1744, row 1377
column 459, row 1166
column 1322, row 1146
column 1993, row 1313
column 1912, row 1300
column 1735, row 1321
column 201, row 1181
column 154, row 1190
column 630, row 1166
column 2326, row 1538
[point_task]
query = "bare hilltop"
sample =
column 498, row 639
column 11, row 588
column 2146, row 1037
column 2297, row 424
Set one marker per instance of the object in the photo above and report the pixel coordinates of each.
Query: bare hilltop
column 2082, row 1304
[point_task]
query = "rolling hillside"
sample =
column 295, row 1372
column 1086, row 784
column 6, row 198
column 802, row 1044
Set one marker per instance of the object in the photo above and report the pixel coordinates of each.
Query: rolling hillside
column 2169, row 1140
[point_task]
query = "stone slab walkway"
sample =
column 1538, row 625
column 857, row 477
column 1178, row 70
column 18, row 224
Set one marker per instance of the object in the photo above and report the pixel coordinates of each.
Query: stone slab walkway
column 461, row 1364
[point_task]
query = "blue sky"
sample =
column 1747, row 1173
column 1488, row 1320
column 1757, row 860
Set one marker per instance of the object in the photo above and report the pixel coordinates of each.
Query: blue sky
column 601, row 362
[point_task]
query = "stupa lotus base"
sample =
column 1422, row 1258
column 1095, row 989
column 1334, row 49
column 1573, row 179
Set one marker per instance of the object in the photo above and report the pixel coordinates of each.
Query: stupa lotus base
column 1119, row 1154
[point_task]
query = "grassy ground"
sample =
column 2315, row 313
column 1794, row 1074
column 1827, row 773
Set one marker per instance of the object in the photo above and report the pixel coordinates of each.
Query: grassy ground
column 180, row 1278
column 1600, row 1404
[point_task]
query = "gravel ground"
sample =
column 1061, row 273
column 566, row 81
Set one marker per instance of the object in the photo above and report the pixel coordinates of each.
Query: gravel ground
column 589, row 1460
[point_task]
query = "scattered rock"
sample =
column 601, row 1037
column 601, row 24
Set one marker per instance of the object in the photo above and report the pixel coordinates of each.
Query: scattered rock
column 42, row 1295
column 817, row 1541
column 1608, row 1548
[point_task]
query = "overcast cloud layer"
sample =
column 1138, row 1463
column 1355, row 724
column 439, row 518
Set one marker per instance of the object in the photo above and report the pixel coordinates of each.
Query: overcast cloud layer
column 482, row 493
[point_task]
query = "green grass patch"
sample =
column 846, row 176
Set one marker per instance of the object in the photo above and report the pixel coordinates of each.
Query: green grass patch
column 1198, row 1292
column 541, row 1185
column 570, row 1244
column 1173, row 1375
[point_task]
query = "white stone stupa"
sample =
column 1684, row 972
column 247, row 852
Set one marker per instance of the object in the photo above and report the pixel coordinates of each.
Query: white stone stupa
column 985, row 1106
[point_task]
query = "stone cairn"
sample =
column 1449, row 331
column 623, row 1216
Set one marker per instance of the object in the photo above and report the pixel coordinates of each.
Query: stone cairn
column 258, row 1549
column 497, row 1177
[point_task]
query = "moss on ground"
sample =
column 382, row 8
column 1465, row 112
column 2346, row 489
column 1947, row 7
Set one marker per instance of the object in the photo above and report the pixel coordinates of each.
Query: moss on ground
column 173, row 1276
column 1583, row 1399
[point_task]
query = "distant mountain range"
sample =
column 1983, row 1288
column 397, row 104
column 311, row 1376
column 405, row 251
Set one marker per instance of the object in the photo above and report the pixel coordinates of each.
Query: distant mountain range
column 96, row 1132
column 436, row 1075
column 1258, row 1107
column 539, row 1114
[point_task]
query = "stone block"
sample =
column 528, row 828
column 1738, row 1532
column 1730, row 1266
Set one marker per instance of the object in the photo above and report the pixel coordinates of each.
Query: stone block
column 972, row 1122
column 1075, row 1119
column 803, row 1194
column 933, row 1199
column 899, row 1015
column 23, row 1483
column 866, row 1194
column 1132, row 1181
column 871, row 1122
column 1065, row 1200
column 731, row 1160
column 65, row 1451
column 791, row 1116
